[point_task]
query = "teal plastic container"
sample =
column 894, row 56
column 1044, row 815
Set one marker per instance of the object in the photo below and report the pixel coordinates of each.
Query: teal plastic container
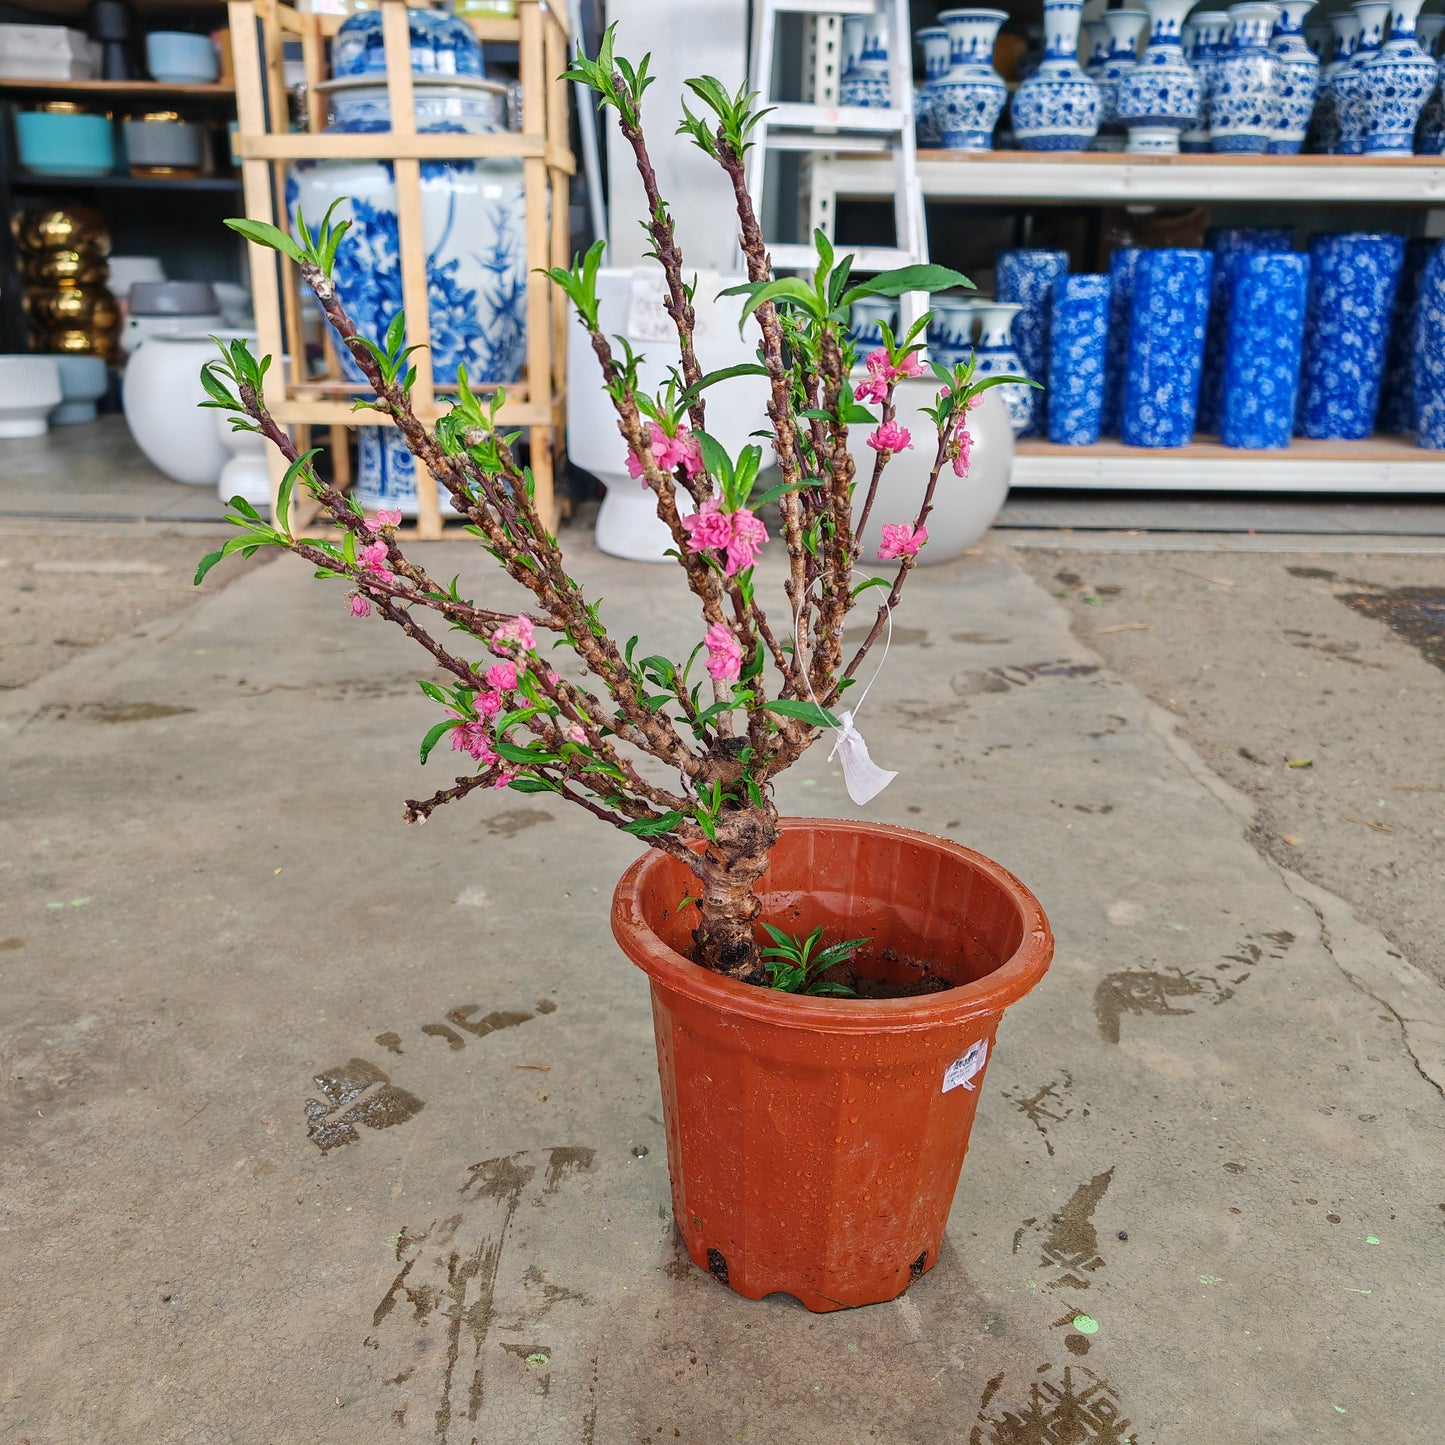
column 65, row 143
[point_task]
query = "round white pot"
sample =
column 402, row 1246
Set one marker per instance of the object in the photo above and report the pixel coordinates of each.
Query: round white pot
column 963, row 507
column 162, row 401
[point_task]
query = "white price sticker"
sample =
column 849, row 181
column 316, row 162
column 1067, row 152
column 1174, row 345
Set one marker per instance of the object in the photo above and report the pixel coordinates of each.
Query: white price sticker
column 962, row 1070
column 647, row 318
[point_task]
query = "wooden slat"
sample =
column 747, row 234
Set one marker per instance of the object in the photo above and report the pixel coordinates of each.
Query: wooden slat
column 392, row 145
column 313, row 55
column 322, row 411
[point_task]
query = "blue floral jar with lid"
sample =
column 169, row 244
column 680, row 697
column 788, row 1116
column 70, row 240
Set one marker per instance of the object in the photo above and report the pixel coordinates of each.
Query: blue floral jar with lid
column 440, row 45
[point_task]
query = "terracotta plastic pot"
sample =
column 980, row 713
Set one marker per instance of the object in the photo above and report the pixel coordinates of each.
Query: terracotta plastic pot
column 815, row 1143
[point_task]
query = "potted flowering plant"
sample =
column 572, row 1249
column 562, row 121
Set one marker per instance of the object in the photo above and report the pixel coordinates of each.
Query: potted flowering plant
column 825, row 993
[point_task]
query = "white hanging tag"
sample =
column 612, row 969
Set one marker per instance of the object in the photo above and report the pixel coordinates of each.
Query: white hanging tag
column 863, row 777
column 963, row 1070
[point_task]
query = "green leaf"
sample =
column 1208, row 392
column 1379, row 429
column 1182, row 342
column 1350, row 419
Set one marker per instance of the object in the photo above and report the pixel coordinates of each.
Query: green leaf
column 650, row 827
column 808, row 712
column 265, row 235
column 435, row 735
column 288, row 485
column 524, row 784
column 726, row 373
column 988, row 381
column 840, row 989
column 908, row 278
column 207, row 562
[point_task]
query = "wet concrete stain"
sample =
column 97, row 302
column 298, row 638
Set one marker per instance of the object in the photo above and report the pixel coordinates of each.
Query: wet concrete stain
column 390, row 1041
column 7, row 945
column 1416, row 614
column 515, row 820
column 1070, row 1250
column 448, row 1280
column 355, row 1093
column 112, row 712
column 1341, row 651
column 1049, row 1104
column 1001, row 679
column 1074, row 1407
column 491, row 1023
column 1147, row 991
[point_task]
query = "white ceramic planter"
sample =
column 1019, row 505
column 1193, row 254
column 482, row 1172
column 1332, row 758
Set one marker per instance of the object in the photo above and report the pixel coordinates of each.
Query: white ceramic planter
column 246, row 474
column 83, row 381
column 963, row 507
column 29, row 392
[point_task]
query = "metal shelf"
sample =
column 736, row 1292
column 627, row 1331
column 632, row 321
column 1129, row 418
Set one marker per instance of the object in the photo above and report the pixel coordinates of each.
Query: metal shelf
column 99, row 89
column 1100, row 178
column 126, row 183
column 1377, row 464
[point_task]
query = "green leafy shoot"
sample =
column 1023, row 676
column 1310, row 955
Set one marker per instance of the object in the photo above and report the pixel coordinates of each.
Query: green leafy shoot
column 612, row 79
column 579, row 282
column 735, row 116
column 303, row 248
column 793, row 964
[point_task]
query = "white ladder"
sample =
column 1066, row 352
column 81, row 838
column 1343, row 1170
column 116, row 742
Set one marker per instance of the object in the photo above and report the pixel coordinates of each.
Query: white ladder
column 823, row 128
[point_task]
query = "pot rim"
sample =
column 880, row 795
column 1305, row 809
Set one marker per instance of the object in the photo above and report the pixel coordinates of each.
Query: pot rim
column 1009, row 982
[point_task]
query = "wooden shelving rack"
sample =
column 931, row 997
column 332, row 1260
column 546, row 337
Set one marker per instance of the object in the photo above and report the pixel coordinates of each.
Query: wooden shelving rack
column 267, row 146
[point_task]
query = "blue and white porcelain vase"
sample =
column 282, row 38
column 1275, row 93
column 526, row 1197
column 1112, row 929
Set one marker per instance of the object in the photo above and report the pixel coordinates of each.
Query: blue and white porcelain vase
column 852, row 46
column 996, row 355
column 866, row 84
column 1396, row 416
column 950, row 332
column 1352, row 296
column 441, row 45
column 1325, row 127
column 1350, row 88
column 1123, row 265
column 1263, row 348
column 1229, row 245
column 1299, row 78
column 1430, row 134
column 1027, row 278
column 1159, row 98
column 1093, row 46
column 1318, row 35
column 969, row 99
column 1398, row 82
column 1211, row 45
column 1244, row 107
column 936, row 52
column 1078, row 341
column 1166, row 345
column 474, row 224
column 1430, row 355
column 864, row 318
column 1057, row 107
column 1123, row 29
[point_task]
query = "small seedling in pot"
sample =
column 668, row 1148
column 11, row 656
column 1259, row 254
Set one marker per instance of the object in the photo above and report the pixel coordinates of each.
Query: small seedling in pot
column 793, row 967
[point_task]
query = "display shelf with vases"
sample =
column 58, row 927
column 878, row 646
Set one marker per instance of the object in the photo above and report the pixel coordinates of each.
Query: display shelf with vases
column 440, row 181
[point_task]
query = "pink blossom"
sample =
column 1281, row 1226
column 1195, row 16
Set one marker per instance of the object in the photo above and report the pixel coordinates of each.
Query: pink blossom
column 959, row 447
column 740, row 535
column 882, row 373
column 472, row 738
column 891, row 437
column 576, row 732
column 724, row 653
column 900, row 540
column 360, row 607
column 489, row 704
column 553, row 678
column 385, row 518
column 517, row 632
column 683, row 450
column 373, row 559
column 875, row 389
column 502, row 676
column 503, row 779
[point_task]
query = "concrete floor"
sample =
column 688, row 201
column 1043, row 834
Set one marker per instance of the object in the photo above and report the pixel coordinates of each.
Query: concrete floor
column 272, row 1176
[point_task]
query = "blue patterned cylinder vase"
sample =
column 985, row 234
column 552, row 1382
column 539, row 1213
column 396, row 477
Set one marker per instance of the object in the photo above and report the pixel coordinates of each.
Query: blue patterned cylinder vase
column 1324, row 136
column 1398, row 82
column 1397, row 390
column 970, row 97
column 1228, row 244
column 866, row 84
column 1122, row 266
column 1352, row 295
column 440, row 45
column 1430, row 134
column 1160, row 97
column 950, row 332
column 1027, row 279
column 1244, row 108
column 1263, row 349
column 1078, row 341
column 1211, row 45
column 1430, row 355
column 474, row 224
column 1123, row 29
column 1057, row 107
column 996, row 355
column 1299, row 78
column 937, row 50
column 1166, row 345
column 1350, row 88
column 864, row 317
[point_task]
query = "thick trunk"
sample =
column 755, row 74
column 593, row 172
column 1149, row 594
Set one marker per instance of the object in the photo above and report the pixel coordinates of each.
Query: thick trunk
column 728, row 873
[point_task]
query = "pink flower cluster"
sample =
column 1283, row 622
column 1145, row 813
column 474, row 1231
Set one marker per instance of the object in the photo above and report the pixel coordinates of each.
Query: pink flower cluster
column 516, row 633
column 502, row 676
column 472, row 737
column 372, row 558
column 670, row 453
column 960, row 441
column 882, row 374
column 385, row 518
column 724, row 653
column 901, row 540
column 739, row 535
column 891, row 437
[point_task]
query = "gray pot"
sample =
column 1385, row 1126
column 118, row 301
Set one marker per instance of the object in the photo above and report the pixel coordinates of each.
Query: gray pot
column 162, row 144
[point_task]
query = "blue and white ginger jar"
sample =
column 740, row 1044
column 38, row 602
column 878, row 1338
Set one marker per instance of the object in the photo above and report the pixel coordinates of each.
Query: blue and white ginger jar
column 1244, row 107
column 1349, row 87
column 865, row 318
column 866, row 82
column 1123, row 29
column 1430, row 134
column 1057, row 107
column 969, row 99
column 474, row 224
column 1160, row 96
column 1211, row 44
column 994, row 355
column 937, row 50
column 1299, row 78
column 1398, row 82
column 440, row 45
